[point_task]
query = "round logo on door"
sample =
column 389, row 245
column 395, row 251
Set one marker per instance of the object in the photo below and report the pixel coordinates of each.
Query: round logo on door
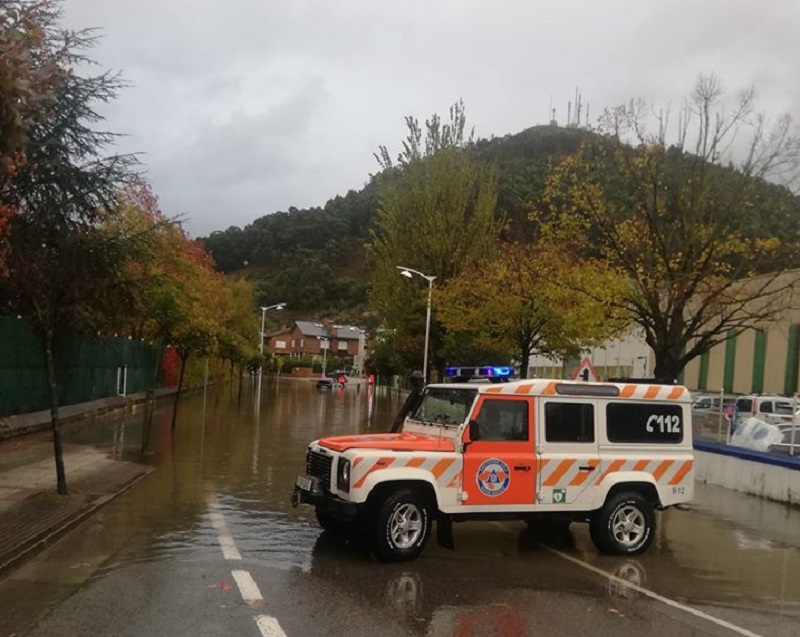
column 493, row 477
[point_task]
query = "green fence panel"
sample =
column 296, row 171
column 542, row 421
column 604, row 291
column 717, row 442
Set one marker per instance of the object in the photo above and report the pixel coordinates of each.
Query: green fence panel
column 86, row 368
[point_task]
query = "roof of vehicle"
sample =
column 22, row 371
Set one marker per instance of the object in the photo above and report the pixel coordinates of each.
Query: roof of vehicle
column 555, row 387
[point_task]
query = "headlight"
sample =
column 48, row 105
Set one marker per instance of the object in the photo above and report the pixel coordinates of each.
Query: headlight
column 343, row 474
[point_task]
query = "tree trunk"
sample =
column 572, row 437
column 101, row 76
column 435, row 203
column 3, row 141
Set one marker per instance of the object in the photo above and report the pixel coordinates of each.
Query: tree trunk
column 52, row 386
column 184, row 359
column 668, row 366
column 147, row 426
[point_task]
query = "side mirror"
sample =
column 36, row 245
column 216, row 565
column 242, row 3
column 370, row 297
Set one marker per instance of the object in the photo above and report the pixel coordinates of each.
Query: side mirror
column 474, row 431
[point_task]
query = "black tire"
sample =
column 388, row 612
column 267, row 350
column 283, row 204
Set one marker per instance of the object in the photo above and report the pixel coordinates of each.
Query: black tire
column 626, row 524
column 402, row 526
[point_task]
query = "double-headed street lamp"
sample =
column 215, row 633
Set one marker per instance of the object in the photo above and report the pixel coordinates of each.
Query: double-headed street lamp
column 277, row 306
column 409, row 272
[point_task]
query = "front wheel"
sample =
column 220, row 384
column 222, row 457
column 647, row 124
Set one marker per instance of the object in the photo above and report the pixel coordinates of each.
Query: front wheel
column 402, row 526
column 625, row 525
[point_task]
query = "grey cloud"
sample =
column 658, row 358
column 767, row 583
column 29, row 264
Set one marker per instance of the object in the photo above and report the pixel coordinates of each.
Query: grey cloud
column 247, row 107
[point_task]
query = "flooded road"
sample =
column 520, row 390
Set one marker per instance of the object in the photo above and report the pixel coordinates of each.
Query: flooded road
column 209, row 544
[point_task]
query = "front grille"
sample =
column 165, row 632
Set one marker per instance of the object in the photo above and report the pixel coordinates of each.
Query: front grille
column 319, row 466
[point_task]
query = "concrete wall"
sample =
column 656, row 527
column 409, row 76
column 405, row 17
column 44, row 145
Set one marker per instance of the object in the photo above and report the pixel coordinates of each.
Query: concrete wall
column 770, row 481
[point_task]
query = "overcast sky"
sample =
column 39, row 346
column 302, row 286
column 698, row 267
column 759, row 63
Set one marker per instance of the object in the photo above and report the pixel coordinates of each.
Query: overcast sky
column 244, row 107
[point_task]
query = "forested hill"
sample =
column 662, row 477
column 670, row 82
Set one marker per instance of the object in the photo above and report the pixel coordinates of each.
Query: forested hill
column 314, row 258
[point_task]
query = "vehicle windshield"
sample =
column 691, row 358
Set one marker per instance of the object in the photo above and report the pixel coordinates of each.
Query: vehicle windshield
column 444, row 406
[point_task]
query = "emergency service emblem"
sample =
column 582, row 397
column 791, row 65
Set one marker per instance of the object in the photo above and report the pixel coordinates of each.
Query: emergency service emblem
column 493, row 477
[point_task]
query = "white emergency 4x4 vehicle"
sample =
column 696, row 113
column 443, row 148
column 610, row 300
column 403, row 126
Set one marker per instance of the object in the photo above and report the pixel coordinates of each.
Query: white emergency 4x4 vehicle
column 609, row 454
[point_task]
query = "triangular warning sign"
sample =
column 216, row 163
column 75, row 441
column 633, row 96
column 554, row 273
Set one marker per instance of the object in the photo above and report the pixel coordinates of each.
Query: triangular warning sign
column 585, row 371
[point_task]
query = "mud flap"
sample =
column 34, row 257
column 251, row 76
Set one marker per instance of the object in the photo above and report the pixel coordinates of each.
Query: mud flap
column 444, row 532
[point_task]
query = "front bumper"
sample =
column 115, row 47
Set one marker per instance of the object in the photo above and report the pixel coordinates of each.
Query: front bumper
column 313, row 493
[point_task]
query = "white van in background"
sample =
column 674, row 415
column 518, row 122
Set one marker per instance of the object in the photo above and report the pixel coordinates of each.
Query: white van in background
column 775, row 410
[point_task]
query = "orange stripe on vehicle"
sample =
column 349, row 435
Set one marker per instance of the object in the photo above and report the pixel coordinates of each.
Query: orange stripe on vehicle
column 652, row 391
column 543, row 463
column 678, row 477
column 614, row 466
column 549, row 390
column 641, row 465
column 562, row 468
column 676, row 393
column 524, row 388
column 415, row 462
column 583, row 476
column 381, row 463
column 627, row 391
column 494, row 390
column 442, row 466
column 662, row 469
column 357, row 461
column 455, row 481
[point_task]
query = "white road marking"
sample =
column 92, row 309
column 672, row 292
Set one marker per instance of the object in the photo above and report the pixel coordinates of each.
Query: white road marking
column 269, row 626
column 652, row 595
column 247, row 587
column 218, row 521
column 228, row 546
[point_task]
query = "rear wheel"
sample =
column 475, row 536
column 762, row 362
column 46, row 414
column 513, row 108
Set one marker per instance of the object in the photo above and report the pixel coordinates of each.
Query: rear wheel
column 402, row 526
column 625, row 525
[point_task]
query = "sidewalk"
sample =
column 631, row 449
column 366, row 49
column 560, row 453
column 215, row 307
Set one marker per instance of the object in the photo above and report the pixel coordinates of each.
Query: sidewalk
column 31, row 513
column 11, row 426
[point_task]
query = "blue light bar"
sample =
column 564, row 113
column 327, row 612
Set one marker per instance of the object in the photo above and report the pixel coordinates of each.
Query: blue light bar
column 487, row 371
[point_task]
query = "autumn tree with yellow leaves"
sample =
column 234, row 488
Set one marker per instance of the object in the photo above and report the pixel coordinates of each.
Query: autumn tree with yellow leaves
column 697, row 217
column 524, row 300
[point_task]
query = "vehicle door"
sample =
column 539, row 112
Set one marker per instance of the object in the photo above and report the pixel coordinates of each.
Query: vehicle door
column 499, row 462
column 568, row 444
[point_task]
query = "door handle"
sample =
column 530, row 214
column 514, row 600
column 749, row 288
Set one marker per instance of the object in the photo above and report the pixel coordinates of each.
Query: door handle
column 587, row 467
column 522, row 467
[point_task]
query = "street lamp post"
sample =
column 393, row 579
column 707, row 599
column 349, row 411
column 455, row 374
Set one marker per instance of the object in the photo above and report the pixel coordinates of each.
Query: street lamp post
column 277, row 306
column 408, row 272
column 326, row 341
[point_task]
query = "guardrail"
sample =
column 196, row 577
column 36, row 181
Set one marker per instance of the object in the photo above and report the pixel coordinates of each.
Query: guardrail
column 717, row 427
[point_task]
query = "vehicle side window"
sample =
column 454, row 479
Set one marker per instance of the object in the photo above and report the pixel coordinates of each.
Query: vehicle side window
column 568, row 422
column 503, row 420
column 745, row 405
column 644, row 422
column 766, row 407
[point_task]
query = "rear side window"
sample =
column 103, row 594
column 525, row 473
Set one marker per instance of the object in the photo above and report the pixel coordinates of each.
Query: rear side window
column 745, row 404
column 644, row 423
column 568, row 422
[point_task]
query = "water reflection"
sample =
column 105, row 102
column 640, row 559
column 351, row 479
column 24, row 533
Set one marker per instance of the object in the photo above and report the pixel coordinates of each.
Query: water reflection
column 237, row 449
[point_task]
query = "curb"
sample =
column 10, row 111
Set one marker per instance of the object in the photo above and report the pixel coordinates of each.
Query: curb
column 62, row 527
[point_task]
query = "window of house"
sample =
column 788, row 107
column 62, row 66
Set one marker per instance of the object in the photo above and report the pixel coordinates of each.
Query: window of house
column 280, row 344
column 568, row 422
column 342, row 346
column 503, row 420
column 644, row 422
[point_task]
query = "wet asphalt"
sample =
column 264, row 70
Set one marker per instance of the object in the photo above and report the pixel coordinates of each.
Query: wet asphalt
column 162, row 558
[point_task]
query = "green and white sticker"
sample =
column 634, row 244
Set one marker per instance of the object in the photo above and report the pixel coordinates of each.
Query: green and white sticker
column 559, row 496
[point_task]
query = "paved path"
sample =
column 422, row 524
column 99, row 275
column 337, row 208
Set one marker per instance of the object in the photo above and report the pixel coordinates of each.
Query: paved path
column 31, row 513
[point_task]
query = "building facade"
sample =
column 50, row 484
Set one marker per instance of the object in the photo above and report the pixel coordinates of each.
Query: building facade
column 308, row 338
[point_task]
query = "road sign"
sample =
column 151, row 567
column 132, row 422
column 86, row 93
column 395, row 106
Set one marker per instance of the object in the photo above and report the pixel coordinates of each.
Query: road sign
column 585, row 371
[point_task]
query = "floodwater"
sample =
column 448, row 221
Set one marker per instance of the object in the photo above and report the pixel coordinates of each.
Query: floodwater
column 237, row 453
